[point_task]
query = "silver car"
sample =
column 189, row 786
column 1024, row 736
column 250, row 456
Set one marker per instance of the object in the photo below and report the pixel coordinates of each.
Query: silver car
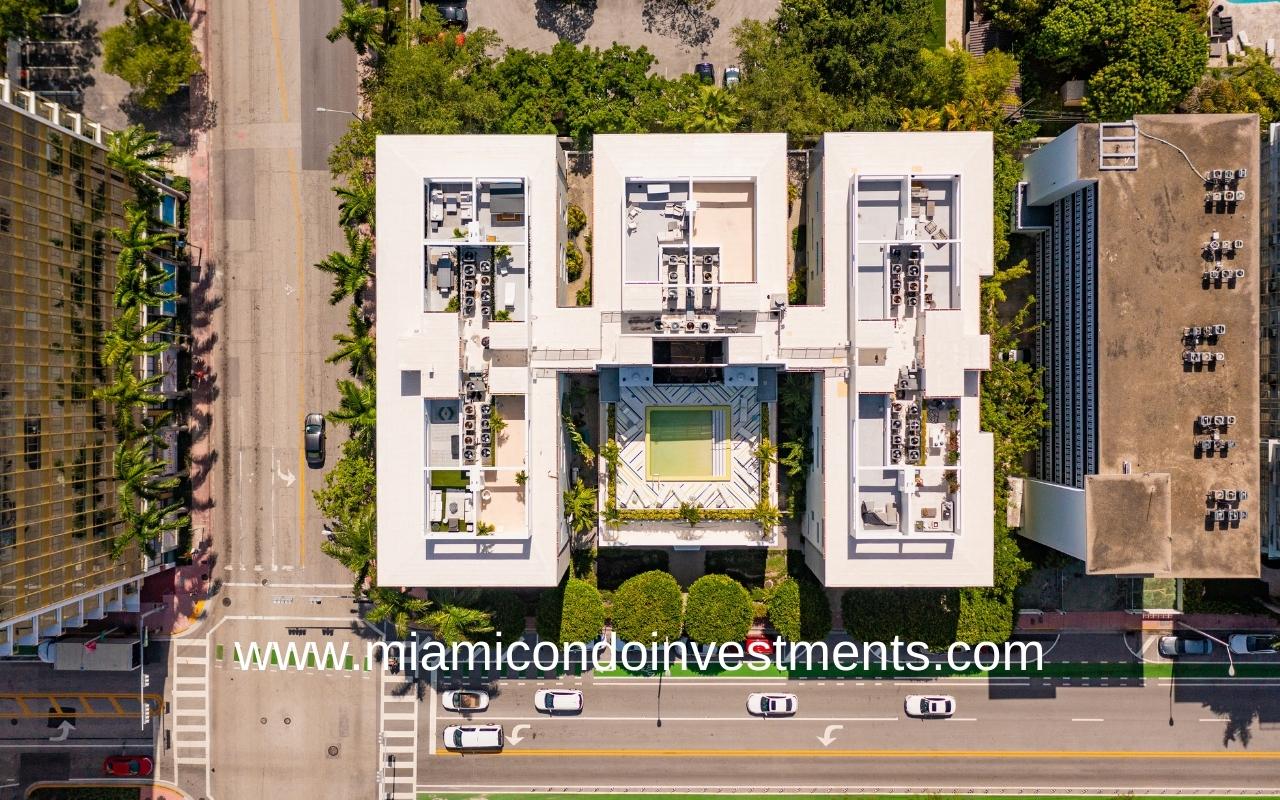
column 1174, row 646
column 313, row 439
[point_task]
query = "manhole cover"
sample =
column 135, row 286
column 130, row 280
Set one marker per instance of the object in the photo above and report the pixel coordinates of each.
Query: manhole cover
column 264, row 581
column 226, row 601
column 262, row 720
column 333, row 751
column 288, row 721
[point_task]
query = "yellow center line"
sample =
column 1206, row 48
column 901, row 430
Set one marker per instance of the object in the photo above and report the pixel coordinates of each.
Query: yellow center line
column 295, row 200
column 1235, row 755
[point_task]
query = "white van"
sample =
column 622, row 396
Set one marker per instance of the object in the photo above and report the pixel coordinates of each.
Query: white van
column 473, row 737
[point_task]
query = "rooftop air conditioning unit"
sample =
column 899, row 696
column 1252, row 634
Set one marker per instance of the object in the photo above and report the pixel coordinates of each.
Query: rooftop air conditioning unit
column 1217, row 174
column 1208, row 198
column 897, row 300
column 1242, row 173
column 1239, row 195
column 704, row 326
column 1231, row 419
column 1229, row 196
column 1219, row 329
column 1217, row 197
column 1229, row 175
column 1219, row 356
column 1240, row 273
column 1239, row 244
column 1219, row 420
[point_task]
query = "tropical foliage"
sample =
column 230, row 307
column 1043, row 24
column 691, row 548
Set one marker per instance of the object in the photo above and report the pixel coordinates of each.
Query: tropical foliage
column 153, row 53
column 648, row 608
column 718, row 610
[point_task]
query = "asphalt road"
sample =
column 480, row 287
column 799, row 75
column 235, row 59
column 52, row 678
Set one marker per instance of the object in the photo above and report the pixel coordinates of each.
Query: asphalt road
column 1006, row 734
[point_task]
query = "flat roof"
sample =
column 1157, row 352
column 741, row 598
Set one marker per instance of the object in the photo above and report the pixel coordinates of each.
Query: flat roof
column 1152, row 225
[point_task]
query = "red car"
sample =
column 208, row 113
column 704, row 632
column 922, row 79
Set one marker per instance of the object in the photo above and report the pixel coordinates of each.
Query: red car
column 759, row 645
column 128, row 766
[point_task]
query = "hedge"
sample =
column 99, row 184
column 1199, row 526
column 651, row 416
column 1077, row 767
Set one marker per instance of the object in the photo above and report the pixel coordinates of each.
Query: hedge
column 571, row 612
column 507, row 614
column 673, row 514
column 924, row 615
column 649, row 602
column 800, row 611
column 719, row 610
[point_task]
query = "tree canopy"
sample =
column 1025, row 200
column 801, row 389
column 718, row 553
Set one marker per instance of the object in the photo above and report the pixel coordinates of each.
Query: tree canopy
column 154, row 53
column 646, row 604
column 718, row 610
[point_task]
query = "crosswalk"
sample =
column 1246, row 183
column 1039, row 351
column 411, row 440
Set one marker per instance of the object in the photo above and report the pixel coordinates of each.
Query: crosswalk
column 190, row 707
column 398, row 736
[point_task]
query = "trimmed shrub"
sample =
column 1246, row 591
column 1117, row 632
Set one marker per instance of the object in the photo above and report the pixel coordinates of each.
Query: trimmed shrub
column 923, row 615
column 573, row 261
column 506, row 614
column 799, row 610
column 719, row 610
column 649, row 602
column 572, row 612
column 576, row 219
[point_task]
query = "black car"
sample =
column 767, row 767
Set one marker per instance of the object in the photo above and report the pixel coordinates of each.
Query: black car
column 454, row 14
column 313, row 439
column 706, row 72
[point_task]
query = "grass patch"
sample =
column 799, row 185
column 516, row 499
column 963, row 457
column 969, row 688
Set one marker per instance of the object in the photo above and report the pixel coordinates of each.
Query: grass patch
column 938, row 26
column 448, row 479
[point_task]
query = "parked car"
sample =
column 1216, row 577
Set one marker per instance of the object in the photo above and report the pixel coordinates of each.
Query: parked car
column 771, row 705
column 313, row 439
column 930, row 706
column 465, row 700
column 706, row 72
column 473, row 737
column 759, row 645
column 454, row 14
column 1244, row 643
column 127, row 766
column 731, row 76
column 558, row 701
column 1174, row 646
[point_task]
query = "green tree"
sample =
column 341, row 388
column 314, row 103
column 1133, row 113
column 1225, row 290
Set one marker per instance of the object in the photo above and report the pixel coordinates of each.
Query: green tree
column 153, row 53
column 401, row 609
column 355, row 546
column 780, row 88
column 646, row 604
column 351, row 270
column 356, row 201
column 138, row 474
column 799, row 610
column 126, row 339
column 144, row 526
column 580, row 507
column 1012, row 403
column 718, row 610
column 713, row 110
column 357, row 346
column 358, row 409
column 1250, row 86
column 456, row 618
column 129, row 392
column 349, row 487
column 18, row 18
column 571, row 612
column 135, row 151
column 963, row 92
column 428, row 83
column 1142, row 56
column 362, row 24
column 507, row 613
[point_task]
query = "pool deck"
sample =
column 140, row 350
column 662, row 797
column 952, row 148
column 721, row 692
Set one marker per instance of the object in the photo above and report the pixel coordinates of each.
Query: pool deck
column 742, row 487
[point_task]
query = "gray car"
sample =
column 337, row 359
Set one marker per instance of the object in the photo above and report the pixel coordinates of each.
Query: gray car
column 313, row 439
column 1174, row 646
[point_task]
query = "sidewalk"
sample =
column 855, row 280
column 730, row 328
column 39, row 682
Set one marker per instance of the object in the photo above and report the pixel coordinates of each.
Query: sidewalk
column 1116, row 621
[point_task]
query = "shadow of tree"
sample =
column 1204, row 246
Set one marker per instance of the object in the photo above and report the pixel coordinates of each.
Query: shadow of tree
column 690, row 21
column 567, row 19
column 63, row 60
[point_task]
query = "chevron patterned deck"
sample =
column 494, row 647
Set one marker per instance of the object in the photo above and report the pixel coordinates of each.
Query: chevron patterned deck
column 742, row 488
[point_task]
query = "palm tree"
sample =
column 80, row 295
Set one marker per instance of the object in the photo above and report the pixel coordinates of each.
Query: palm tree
column 126, row 341
column 354, row 545
column 129, row 392
column 136, row 237
column 351, row 272
column 356, row 347
column 358, row 409
column 399, row 608
column 580, row 507
column 713, row 110
column 140, row 475
column 362, row 24
column 144, row 526
column 356, row 202
column 455, row 620
column 134, row 152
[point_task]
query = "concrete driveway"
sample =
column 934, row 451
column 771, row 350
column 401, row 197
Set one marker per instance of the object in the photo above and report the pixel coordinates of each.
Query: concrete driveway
column 677, row 32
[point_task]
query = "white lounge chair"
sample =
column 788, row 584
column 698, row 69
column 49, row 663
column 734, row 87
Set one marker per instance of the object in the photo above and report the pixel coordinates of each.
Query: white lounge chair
column 509, row 294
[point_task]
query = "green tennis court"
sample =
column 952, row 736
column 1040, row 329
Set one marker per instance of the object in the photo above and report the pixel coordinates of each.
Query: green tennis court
column 684, row 443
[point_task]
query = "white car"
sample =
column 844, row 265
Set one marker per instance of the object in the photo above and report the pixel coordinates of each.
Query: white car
column 771, row 705
column 473, row 737
column 1245, row 643
column 930, row 706
column 558, row 701
column 465, row 700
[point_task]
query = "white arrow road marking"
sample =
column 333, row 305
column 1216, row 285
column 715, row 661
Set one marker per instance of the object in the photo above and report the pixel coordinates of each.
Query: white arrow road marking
column 826, row 738
column 285, row 475
column 64, row 730
column 515, row 737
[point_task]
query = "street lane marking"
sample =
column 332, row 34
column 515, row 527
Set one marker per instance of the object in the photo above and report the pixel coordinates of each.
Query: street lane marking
column 1087, row 719
column 651, row 718
column 1029, row 755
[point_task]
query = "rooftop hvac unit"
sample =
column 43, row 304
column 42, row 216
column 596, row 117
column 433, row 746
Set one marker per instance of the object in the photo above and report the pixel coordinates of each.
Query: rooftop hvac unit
column 1231, row 419
column 704, row 326
column 1213, row 245
column 895, row 423
column 1239, row 244
column 1239, row 195
column 896, row 300
column 1230, row 495
column 1226, row 246
column 914, row 410
column 1205, row 420
column 657, row 325
column 1219, row 329
column 1190, row 357
column 895, row 268
column 895, row 455
column 913, row 456
column 1206, row 446
column 913, row 271
column 1243, row 514
column 1217, row 174
column 1240, row 273
column 1219, row 494
column 1233, row 516
column 904, row 384
column 1228, row 174
column 1208, row 198
column 673, row 276
column 913, row 300
column 1217, row 197
column 913, row 441
column 673, row 294
column 896, row 440
column 1219, row 515
column 1219, row 356
column 1242, row 494
column 707, row 276
column 1229, row 196
column 1219, row 421
column 1242, row 173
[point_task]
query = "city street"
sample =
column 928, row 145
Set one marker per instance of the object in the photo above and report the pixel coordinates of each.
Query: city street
column 1010, row 733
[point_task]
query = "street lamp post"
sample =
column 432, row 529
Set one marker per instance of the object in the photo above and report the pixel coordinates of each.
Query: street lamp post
column 323, row 110
column 1231, row 664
